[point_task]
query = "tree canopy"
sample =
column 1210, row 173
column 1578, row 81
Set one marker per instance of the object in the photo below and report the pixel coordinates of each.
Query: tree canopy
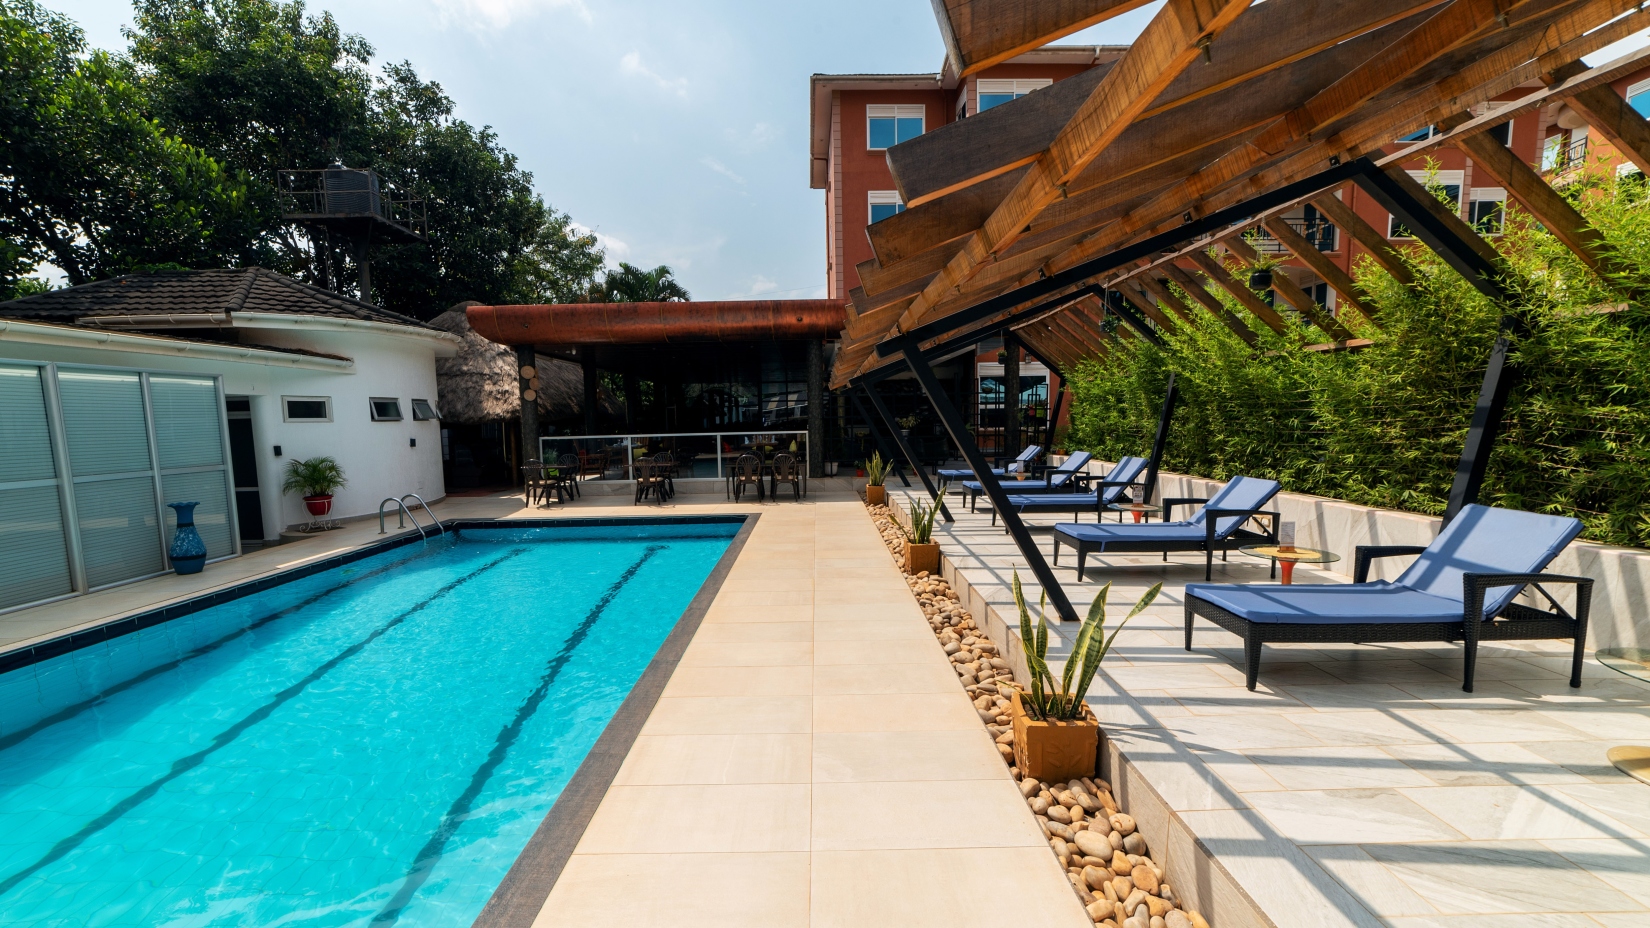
column 167, row 155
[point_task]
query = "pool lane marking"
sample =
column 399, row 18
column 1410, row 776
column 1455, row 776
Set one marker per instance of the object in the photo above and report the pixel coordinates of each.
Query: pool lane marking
column 227, row 736
column 431, row 854
column 69, row 712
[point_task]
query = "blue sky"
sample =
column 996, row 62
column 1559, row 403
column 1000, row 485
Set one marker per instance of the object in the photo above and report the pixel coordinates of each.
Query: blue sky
column 678, row 131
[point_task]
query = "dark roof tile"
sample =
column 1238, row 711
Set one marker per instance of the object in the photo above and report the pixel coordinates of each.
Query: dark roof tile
column 252, row 290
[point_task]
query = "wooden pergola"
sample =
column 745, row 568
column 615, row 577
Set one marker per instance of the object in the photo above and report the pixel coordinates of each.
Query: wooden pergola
column 1223, row 115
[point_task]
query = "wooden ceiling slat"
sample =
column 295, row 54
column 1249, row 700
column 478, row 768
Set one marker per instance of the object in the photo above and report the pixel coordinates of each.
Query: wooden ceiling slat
column 1373, row 241
column 1146, row 305
column 1283, row 285
column 1284, row 66
column 1168, row 45
column 1543, row 202
column 1163, row 295
column 980, row 33
column 1195, row 290
column 1239, row 290
column 1308, row 253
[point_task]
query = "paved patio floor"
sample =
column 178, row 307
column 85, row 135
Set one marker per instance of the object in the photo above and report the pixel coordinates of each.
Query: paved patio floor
column 1427, row 806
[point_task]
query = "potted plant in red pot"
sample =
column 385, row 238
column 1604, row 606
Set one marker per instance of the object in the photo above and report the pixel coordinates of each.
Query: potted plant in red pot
column 314, row 479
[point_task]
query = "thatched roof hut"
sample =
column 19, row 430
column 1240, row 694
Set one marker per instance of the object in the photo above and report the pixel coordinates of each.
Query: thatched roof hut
column 480, row 383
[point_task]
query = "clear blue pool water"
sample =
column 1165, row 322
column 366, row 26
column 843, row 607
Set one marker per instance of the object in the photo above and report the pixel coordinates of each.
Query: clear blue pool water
column 372, row 744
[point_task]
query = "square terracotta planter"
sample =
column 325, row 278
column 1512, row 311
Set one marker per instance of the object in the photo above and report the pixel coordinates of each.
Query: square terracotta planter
column 876, row 496
column 919, row 558
column 1054, row 751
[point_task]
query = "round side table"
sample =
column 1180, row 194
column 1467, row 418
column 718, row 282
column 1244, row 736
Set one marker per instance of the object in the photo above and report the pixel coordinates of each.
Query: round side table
column 1287, row 559
column 1139, row 509
column 1631, row 759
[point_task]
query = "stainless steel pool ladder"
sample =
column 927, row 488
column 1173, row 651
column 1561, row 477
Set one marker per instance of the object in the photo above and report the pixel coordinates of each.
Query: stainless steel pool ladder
column 401, row 507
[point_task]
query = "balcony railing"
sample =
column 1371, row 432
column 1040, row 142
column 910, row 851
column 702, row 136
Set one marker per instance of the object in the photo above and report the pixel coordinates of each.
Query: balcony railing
column 1320, row 232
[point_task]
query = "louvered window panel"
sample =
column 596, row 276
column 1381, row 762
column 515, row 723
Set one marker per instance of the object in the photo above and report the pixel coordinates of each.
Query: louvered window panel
column 34, row 554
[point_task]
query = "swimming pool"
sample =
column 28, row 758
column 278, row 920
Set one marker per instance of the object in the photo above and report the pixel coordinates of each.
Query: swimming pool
column 373, row 743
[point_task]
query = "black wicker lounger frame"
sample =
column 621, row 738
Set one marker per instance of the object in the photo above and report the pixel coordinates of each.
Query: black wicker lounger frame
column 1515, row 622
column 1211, row 542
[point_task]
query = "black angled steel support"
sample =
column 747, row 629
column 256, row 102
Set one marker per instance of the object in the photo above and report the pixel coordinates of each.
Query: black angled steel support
column 970, row 451
column 1485, row 277
column 876, row 436
column 1161, row 440
column 1486, row 424
column 1124, row 311
column 905, row 448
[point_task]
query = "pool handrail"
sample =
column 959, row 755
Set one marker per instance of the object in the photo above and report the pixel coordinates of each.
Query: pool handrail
column 399, row 521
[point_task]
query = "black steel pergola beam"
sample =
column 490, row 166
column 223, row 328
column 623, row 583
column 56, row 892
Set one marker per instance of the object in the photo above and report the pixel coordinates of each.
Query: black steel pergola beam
column 1161, row 440
column 1434, row 232
column 876, row 435
column 905, row 448
column 970, row 451
column 1145, row 248
column 942, row 348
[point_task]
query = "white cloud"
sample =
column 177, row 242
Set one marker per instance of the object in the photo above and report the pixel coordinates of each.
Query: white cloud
column 616, row 250
column 631, row 63
column 721, row 169
column 497, row 14
column 763, row 287
column 759, row 136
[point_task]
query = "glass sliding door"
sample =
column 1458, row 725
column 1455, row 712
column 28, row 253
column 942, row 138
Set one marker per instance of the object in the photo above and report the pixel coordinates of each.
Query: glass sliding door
column 34, row 552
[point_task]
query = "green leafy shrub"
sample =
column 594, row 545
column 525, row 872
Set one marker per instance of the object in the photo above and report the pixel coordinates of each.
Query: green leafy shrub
column 1384, row 426
column 313, row 477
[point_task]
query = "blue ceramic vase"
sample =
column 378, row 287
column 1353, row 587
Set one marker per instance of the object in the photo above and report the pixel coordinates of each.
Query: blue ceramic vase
column 188, row 551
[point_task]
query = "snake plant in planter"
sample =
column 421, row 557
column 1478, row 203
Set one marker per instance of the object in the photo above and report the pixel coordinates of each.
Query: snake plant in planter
column 922, row 552
column 876, row 472
column 1056, row 738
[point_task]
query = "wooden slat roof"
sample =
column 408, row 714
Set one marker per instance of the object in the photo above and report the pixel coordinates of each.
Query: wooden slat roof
column 1217, row 102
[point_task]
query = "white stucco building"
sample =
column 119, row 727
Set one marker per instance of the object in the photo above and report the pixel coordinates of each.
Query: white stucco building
column 117, row 396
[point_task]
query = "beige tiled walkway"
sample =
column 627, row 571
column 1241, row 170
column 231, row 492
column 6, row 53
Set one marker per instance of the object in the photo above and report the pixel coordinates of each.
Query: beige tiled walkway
column 812, row 762
column 1358, row 785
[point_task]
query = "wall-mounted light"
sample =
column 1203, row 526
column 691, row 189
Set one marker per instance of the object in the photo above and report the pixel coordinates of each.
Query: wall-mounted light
column 277, row 450
column 412, row 442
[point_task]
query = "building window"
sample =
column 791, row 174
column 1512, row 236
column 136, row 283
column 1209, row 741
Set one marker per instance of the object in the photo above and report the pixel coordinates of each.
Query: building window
column 423, row 410
column 884, row 203
column 1449, row 180
column 887, row 126
column 1638, row 97
column 1487, row 210
column 306, row 408
column 1420, row 135
column 996, row 93
column 385, row 409
column 1501, row 133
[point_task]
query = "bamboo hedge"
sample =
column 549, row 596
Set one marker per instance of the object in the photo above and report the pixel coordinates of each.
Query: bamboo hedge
column 1384, row 426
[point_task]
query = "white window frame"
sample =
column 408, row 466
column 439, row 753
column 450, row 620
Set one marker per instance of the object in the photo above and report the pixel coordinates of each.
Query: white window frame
column 881, row 198
column 372, row 407
column 1634, row 89
column 286, row 414
column 1489, row 195
column 895, row 112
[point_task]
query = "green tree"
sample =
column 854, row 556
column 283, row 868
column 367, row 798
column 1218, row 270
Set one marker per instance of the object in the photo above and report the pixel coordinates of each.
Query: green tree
column 87, row 182
column 265, row 87
column 631, row 284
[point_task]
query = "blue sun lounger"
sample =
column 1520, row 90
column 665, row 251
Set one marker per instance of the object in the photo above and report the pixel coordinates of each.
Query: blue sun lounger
column 1124, row 474
column 1223, row 523
column 1474, row 568
column 1062, row 479
column 1020, row 463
